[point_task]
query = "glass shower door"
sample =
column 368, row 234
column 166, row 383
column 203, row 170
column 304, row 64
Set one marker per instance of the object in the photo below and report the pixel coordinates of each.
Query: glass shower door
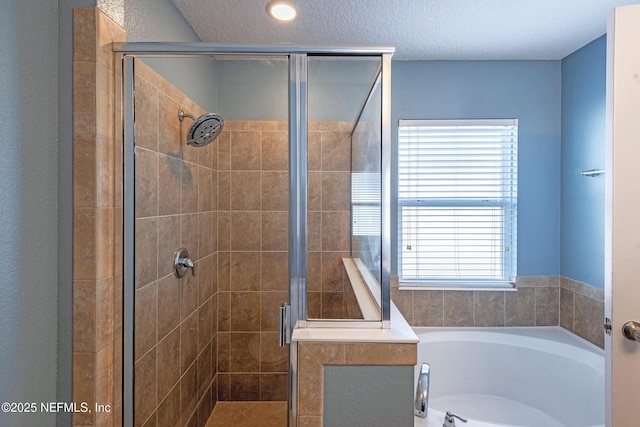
column 344, row 188
column 201, row 329
column 210, row 197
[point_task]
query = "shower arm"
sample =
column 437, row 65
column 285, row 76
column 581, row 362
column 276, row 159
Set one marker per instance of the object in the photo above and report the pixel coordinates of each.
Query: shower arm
column 182, row 115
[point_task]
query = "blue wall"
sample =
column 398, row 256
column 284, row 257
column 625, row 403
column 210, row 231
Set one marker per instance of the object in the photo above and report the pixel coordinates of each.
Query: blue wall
column 258, row 89
column 527, row 90
column 29, row 208
column 583, row 148
column 160, row 21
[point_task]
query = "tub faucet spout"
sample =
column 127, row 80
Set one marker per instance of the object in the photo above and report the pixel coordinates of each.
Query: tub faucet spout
column 421, row 407
column 449, row 419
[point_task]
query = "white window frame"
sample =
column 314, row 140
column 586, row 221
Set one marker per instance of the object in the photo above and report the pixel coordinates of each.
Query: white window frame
column 507, row 202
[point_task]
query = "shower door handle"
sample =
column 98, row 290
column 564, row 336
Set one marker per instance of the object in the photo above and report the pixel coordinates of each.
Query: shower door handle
column 285, row 337
column 631, row 330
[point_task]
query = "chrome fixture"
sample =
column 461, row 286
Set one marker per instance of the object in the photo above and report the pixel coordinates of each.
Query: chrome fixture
column 204, row 129
column 284, row 335
column 631, row 330
column 421, row 407
column 449, row 419
column 182, row 263
column 593, row 172
column 607, row 326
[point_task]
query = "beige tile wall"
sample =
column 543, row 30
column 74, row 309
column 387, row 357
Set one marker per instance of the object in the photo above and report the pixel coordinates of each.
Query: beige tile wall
column 252, row 274
column 97, row 337
column 539, row 301
column 175, row 319
column 252, row 203
column 582, row 310
column 535, row 303
column 329, row 294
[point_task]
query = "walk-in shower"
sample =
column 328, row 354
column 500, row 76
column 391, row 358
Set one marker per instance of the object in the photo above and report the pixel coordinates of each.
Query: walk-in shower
column 280, row 202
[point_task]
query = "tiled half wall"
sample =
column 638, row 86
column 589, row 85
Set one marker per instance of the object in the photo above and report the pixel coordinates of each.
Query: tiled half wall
column 538, row 301
column 314, row 356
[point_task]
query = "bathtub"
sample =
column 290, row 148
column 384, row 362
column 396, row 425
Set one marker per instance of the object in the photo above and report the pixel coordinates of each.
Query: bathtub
column 527, row 377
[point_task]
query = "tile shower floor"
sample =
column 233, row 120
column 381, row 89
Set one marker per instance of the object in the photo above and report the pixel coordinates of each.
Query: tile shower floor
column 248, row 414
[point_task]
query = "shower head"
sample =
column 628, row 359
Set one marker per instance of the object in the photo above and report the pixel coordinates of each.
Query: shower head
column 204, row 129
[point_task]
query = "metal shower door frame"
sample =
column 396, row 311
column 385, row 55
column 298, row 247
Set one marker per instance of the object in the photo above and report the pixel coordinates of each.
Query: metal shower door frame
column 297, row 118
column 297, row 218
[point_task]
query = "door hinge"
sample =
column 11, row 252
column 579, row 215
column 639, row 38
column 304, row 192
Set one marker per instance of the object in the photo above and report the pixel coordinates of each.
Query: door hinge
column 285, row 335
column 607, row 326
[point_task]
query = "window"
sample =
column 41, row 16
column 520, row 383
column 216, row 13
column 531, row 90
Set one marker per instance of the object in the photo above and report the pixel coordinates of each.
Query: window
column 457, row 202
column 365, row 203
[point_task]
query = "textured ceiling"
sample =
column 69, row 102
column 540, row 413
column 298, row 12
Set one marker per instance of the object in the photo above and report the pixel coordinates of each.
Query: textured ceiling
column 419, row 29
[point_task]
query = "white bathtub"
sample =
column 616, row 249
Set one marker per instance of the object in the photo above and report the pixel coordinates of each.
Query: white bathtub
column 526, row 377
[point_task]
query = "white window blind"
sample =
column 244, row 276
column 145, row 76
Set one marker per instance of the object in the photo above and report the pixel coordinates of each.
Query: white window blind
column 365, row 203
column 457, row 201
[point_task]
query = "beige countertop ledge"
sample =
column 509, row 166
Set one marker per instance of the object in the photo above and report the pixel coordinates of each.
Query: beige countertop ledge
column 399, row 333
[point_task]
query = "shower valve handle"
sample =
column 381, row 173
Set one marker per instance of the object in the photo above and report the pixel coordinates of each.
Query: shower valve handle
column 186, row 262
column 182, row 263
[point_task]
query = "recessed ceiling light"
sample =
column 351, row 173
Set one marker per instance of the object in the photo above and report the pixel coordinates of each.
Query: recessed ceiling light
column 282, row 10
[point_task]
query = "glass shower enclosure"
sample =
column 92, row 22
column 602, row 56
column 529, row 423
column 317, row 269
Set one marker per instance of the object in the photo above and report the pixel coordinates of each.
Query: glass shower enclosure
column 253, row 187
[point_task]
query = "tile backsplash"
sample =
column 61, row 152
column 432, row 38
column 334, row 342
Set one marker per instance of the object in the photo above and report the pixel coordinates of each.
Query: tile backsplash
column 582, row 310
column 538, row 301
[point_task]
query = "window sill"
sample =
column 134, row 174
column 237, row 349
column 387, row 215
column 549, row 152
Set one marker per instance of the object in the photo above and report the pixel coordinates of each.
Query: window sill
column 498, row 286
column 364, row 287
